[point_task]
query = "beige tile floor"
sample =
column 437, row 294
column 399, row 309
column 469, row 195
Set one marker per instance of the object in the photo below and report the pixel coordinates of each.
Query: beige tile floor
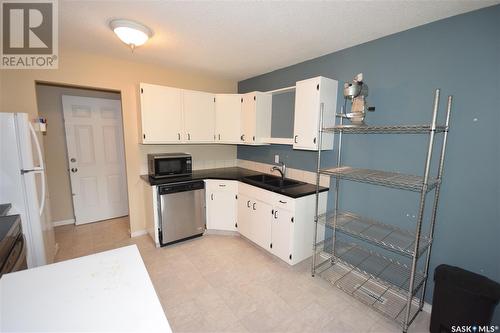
column 225, row 284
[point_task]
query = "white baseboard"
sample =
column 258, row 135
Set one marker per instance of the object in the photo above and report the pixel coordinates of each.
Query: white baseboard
column 221, row 232
column 63, row 222
column 138, row 233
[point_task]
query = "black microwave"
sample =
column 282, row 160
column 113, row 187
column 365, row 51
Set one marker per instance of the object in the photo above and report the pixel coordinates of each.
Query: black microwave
column 169, row 165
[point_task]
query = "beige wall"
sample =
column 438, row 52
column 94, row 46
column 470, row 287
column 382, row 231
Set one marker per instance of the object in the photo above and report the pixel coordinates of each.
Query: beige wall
column 17, row 94
column 49, row 105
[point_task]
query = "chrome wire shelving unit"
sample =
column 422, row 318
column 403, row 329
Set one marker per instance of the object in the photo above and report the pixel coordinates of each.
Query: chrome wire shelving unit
column 394, row 287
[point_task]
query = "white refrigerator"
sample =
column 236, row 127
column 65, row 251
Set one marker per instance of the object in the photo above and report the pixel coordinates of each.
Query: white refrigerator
column 23, row 184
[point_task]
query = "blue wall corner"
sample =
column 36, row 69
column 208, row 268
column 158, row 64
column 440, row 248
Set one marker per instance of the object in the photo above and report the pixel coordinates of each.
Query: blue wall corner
column 460, row 55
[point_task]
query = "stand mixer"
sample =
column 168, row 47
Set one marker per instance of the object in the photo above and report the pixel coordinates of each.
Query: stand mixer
column 356, row 92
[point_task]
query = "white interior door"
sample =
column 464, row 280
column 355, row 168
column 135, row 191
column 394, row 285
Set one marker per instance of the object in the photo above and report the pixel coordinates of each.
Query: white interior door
column 96, row 158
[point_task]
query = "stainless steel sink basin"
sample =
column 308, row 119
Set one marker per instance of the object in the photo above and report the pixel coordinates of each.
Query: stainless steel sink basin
column 272, row 181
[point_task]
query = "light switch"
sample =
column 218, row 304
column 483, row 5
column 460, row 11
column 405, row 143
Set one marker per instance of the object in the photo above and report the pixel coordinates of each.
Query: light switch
column 276, row 159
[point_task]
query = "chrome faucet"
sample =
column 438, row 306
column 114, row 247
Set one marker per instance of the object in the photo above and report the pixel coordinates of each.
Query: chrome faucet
column 281, row 169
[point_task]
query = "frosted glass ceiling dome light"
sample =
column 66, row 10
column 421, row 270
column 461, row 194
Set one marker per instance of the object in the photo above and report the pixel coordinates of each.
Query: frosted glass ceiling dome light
column 130, row 32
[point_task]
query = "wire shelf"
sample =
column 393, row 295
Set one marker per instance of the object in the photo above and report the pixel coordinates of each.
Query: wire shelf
column 388, row 236
column 383, row 178
column 385, row 298
column 386, row 129
column 389, row 302
column 386, row 271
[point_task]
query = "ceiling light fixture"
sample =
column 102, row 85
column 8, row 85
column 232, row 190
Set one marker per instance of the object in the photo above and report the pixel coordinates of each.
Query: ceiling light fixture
column 131, row 33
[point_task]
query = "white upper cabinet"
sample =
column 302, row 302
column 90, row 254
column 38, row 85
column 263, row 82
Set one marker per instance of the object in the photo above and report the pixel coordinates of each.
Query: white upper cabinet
column 312, row 96
column 227, row 118
column 248, row 118
column 172, row 115
column 161, row 114
column 256, row 113
column 199, row 116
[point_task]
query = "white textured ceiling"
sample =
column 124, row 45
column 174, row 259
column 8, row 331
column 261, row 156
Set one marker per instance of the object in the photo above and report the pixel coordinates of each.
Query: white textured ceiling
column 238, row 40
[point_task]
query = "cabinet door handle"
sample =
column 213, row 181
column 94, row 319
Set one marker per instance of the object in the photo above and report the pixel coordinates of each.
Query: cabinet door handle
column 222, row 185
column 283, row 202
column 295, row 139
column 242, row 137
column 189, row 136
column 253, row 206
column 314, row 140
column 179, row 136
column 253, row 138
column 219, row 136
column 212, row 196
column 275, row 214
column 248, row 203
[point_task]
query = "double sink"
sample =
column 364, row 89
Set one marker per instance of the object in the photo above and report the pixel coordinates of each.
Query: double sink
column 272, row 182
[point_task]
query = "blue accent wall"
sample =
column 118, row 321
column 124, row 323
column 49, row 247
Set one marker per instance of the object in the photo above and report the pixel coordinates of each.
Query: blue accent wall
column 460, row 55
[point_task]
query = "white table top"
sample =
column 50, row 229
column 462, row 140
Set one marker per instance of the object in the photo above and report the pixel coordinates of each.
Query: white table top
column 105, row 292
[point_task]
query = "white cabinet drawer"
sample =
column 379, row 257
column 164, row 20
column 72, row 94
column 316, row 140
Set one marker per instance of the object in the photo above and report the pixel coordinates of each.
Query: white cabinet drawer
column 222, row 185
column 284, row 202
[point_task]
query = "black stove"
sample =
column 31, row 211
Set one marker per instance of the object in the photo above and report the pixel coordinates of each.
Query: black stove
column 12, row 245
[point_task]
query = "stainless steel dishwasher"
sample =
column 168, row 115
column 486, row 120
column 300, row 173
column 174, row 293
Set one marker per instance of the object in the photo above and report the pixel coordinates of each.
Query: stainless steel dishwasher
column 181, row 210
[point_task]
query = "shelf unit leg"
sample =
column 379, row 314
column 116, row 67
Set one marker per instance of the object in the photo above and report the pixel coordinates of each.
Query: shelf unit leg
column 318, row 177
column 436, row 195
column 337, row 185
column 421, row 212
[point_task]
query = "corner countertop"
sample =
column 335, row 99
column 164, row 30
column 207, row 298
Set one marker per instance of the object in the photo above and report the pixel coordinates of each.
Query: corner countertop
column 105, row 292
column 239, row 174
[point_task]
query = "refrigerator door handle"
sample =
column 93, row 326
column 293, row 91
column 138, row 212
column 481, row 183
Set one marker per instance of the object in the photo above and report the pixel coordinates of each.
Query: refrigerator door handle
column 39, row 169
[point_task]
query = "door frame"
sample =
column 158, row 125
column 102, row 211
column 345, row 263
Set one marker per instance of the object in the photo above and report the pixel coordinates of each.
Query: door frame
column 95, row 89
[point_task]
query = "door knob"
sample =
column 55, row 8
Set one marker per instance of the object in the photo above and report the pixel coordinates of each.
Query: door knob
column 73, row 160
column 74, row 170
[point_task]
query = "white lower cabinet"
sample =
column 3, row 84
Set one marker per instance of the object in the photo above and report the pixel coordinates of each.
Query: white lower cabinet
column 221, row 204
column 282, row 234
column 244, row 215
column 282, row 225
column 260, row 223
column 254, row 220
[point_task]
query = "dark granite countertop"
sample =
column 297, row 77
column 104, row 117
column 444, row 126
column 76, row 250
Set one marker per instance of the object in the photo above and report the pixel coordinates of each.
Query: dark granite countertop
column 239, row 174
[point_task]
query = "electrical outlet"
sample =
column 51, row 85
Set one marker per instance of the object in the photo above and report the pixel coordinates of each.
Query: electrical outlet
column 276, row 158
